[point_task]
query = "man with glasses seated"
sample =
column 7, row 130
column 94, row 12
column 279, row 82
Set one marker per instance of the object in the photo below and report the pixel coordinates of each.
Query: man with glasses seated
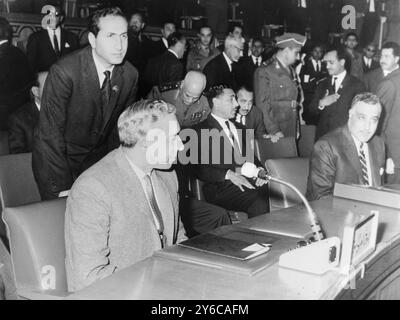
column 221, row 69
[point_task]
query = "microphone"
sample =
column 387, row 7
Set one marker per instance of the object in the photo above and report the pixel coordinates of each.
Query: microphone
column 249, row 170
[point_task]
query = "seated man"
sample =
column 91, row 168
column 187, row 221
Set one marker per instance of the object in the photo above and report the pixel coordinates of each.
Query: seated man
column 113, row 217
column 22, row 122
column 350, row 154
column 251, row 118
column 221, row 158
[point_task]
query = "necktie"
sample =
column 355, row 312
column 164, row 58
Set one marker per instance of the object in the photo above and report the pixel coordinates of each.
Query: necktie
column 333, row 85
column 106, row 88
column 149, row 189
column 318, row 66
column 232, row 137
column 364, row 167
column 240, row 119
column 56, row 46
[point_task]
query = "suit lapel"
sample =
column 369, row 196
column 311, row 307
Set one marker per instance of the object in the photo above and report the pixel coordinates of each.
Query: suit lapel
column 48, row 42
column 351, row 152
column 91, row 78
column 374, row 165
column 345, row 83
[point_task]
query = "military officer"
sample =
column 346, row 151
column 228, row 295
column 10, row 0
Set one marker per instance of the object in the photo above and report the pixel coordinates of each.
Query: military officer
column 187, row 96
column 277, row 88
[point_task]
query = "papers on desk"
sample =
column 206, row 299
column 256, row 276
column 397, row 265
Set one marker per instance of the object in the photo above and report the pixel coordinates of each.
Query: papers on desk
column 230, row 248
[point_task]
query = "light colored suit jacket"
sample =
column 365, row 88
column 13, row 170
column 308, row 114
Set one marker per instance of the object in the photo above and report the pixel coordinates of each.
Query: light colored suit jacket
column 108, row 222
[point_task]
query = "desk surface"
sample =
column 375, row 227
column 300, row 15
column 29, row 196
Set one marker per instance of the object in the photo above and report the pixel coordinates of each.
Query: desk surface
column 156, row 278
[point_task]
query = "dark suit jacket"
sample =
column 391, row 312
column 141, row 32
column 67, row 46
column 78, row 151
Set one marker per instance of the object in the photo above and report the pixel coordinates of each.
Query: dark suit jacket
column 374, row 65
column 164, row 69
column 40, row 51
column 217, row 72
column 15, row 81
column 229, row 158
column 244, row 72
column 335, row 159
column 254, row 120
column 157, row 48
column 20, row 128
column 389, row 93
column 335, row 115
column 74, row 129
column 373, row 79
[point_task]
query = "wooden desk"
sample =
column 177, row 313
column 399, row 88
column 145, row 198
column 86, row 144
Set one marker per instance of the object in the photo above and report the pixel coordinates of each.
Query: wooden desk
column 158, row 279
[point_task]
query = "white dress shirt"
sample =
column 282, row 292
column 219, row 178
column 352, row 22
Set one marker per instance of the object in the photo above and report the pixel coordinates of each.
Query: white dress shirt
column 315, row 64
column 174, row 53
column 366, row 153
column 367, row 61
column 227, row 131
column 3, row 41
column 339, row 79
column 385, row 72
column 58, row 35
column 371, row 7
column 165, row 42
column 228, row 61
column 100, row 69
column 256, row 60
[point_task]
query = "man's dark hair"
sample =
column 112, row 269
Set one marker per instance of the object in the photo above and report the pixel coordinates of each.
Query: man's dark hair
column 342, row 54
column 174, row 38
column 94, row 19
column 5, row 29
column 349, row 35
column 137, row 13
column 394, row 46
column 233, row 26
column 214, row 92
column 244, row 87
column 259, row 40
column 206, row 26
column 168, row 22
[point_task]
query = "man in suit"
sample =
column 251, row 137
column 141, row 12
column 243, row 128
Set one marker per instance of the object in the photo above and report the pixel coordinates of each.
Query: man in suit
column 22, row 122
column 203, row 52
column 369, row 63
column 334, row 94
column 277, row 89
column 350, row 154
column 16, row 77
column 46, row 46
column 311, row 73
column 83, row 96
column 219, row 71
column 247, row 65
column 160, row 46
column 389, row 94
column 248, row 115
column 229, row 146
column 168, row 67
column 356, row 65
column 139, row 48
column 125, row 207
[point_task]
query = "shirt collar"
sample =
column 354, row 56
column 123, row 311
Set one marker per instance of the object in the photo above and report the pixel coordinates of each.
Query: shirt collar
column 220, row 120
column 51, row 31
column 165, row 42
column 100, row 68
column 228, row 60
column 358, row 144
column 385, row 73
column 139, row 172
column 339, row 77
column 3, row 41
column 37, row 105
column 174, row 53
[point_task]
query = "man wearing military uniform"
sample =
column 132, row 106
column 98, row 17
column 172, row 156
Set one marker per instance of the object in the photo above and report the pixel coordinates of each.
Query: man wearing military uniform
column 277, row 89
column 191, row 106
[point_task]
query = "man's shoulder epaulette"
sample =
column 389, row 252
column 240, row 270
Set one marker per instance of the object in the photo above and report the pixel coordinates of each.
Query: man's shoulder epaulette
column 169, row 86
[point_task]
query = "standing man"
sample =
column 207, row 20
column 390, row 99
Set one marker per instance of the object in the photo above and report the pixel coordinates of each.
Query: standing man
column 204, row 51
column 248, row 65
column 369, row 63
column 160, row 46
column 389, row 93
column 356, row 67
column 334, row 94
column 83, row 96
column 350, row 154
column 277, row 89
column 219, row 71
column 46, row 46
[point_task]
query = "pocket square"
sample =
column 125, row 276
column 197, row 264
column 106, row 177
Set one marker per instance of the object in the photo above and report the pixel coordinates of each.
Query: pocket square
column 67, row 45
column 381, row 171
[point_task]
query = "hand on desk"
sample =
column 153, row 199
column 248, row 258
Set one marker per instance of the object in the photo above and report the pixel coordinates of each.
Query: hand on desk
column 238, row 180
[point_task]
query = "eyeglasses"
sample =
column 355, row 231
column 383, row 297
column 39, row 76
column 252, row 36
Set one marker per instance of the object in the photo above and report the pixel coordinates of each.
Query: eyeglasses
column 371, row 50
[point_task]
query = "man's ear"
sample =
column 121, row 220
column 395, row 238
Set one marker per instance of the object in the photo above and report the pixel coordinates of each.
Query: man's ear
column 397, row 60
column 92, row 39
column 35, row 91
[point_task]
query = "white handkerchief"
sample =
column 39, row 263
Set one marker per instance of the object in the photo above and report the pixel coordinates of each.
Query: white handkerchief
column 306, row 78
column 66, row 45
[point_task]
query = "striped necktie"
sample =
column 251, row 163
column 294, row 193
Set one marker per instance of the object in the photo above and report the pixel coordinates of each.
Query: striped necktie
column 364, row 167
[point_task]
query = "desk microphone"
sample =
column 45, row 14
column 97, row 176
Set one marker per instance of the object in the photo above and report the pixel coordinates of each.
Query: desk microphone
column 249, row 170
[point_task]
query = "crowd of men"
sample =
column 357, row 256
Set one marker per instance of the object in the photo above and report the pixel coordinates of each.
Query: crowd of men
column 105, row 124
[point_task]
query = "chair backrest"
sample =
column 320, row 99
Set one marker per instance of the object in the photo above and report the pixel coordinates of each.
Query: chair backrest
column 17, row 184
column 307, row 140
column 292, row 170
column 37, row 245
column 4, row 149
column 284, row 148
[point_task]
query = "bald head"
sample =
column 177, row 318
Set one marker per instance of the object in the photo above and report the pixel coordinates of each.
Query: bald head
column 192, row 87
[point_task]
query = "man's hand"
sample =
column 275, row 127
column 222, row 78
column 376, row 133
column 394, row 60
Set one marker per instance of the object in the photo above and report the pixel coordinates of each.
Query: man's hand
column 328, row 100
column 239, row 180
column 389, row 166
column 260, row 182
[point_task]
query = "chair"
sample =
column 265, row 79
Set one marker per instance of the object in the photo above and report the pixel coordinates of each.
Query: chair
column 284, row 148
column 17, row 184
column 37, row 246
column 306, row 141
column 4, row 143
column 292, row 170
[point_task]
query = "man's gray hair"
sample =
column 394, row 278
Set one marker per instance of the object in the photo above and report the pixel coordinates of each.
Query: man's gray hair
column 136, row 120
column 366, row 97
column 232, row 41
